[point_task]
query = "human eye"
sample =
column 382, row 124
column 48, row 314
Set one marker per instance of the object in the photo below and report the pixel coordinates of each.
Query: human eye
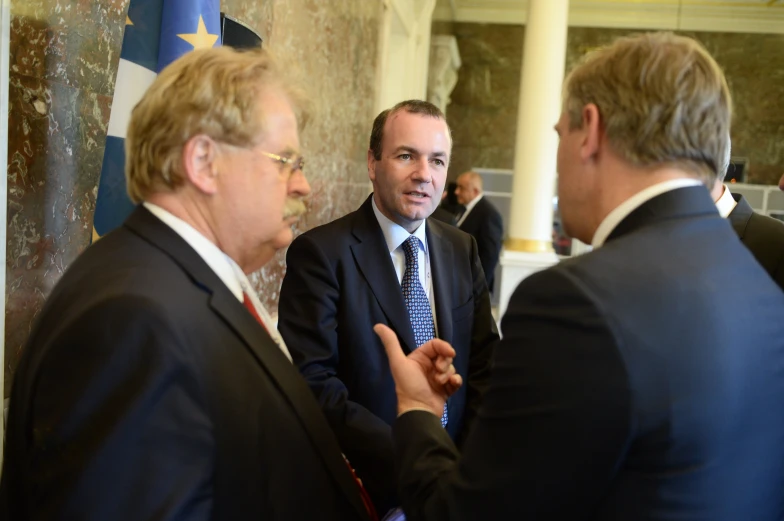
column 404, row 157
column 439, row 162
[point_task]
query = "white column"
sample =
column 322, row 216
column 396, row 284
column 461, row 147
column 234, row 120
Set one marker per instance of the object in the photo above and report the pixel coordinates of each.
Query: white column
column 404, row 51
column 529, row 247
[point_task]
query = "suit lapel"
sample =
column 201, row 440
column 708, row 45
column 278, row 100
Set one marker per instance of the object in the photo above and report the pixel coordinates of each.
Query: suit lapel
column 441, row 263
column 258, row 342
column 293, row 387
column 373, row 261
column 740, row 215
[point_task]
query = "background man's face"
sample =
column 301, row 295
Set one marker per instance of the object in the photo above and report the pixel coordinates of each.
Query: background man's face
column 409, row 178
column 465, row 191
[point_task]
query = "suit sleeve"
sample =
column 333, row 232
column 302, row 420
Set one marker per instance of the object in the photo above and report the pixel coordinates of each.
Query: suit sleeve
column 307, row 321
column 489, row 241
column 484, row 338
column 553, row 427
column 115, row 424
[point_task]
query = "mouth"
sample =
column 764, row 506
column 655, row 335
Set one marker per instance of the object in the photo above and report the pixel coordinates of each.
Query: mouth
column 417, row 195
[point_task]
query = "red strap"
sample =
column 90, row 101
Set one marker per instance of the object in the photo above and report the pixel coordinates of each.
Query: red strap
column 362, row 492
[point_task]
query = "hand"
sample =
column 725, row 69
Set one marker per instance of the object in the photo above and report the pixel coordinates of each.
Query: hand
column 425, row 378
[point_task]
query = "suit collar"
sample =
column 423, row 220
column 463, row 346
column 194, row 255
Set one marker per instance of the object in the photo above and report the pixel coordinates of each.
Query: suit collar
column 258, row 342
column 372, row 256
column 620, row 212
column 219, row 262
column 693, row 201
column 740, row 216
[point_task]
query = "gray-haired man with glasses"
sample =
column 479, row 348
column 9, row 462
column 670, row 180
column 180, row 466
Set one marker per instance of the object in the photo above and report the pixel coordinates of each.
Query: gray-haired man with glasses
column 154, row 385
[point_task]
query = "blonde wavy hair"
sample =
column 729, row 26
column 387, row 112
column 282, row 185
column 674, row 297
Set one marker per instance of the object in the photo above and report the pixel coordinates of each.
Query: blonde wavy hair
column 214, row 92
column 662, row 99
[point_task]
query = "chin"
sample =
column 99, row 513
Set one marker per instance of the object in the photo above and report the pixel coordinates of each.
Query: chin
column 283, row 239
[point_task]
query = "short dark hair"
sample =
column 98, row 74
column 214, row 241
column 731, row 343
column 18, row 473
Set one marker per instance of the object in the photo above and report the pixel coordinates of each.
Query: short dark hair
column 412, row 106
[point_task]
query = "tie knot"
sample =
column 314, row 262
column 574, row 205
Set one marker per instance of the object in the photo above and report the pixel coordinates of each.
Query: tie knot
column 411, row 248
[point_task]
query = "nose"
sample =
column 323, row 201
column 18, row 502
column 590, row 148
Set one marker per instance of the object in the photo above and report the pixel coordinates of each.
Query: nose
column 298, row 184
column 422, row 171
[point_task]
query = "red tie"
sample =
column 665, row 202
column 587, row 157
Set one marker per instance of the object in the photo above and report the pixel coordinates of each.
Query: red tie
column 362, row 492
column 248, row 303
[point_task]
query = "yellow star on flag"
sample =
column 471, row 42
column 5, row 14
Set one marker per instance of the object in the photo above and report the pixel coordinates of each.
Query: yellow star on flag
column 201, row 39
column 128, row 20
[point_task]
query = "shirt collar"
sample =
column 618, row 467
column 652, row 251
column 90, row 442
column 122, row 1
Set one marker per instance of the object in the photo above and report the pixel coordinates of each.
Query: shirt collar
column 218, row 261
column 224, row 267
column 615, row 217
column 726, row 203
column 394, row 234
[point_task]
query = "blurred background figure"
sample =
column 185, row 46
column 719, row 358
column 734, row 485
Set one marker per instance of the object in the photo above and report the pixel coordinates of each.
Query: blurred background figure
column 482, row 221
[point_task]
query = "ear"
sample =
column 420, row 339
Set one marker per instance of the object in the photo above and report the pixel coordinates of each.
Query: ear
column 592, row 130
column 371, row 162
column 200, row 159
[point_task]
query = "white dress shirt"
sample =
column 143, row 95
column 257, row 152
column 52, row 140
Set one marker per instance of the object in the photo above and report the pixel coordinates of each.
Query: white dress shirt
column 615, row 217
column 224, row 267
column 469, row 207
column 726, row 203
column 395, row 235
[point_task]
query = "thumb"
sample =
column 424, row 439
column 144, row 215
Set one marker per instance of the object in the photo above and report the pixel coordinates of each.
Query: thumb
column 391, row 344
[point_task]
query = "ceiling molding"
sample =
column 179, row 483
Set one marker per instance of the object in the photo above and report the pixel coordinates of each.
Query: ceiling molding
column 751, row 16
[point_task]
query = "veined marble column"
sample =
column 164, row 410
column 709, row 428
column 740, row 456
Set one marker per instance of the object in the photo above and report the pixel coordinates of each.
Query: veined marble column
column 529, row 246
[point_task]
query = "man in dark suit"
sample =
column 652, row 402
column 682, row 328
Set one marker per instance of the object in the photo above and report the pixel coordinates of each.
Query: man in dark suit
column 762, row 235
column 387, row 263
column 154, row 385
column 482, row 221
column 442, row 214
column 639, row 381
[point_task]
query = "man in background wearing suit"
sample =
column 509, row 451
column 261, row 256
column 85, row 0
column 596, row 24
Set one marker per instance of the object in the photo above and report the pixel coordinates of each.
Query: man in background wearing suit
column 642, row 380
column 762, row 235
column 154, row 384
column 442, row 214
column 388, row 263
column 482, row 221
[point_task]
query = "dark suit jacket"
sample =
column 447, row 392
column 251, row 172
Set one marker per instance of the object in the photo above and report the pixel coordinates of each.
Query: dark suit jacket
column 761, row 234
column 148, row 392
column 340, row 282
column 641, row 381
column 444, row 216
column 485, row 224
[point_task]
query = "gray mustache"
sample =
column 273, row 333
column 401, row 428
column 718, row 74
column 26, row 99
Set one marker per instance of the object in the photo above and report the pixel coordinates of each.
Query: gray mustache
column 294, row 208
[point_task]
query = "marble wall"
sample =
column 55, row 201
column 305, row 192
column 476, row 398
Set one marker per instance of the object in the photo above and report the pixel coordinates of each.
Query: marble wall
column 61, row 86
column 483, row 113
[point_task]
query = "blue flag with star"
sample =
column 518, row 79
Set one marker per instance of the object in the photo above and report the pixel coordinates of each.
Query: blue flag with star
column 157, row 32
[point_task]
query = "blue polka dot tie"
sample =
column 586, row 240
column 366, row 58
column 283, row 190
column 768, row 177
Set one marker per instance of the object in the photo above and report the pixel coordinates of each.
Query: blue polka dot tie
column 416, row 301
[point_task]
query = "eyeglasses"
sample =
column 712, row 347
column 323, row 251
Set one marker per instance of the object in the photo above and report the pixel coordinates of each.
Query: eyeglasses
column 292, row 163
